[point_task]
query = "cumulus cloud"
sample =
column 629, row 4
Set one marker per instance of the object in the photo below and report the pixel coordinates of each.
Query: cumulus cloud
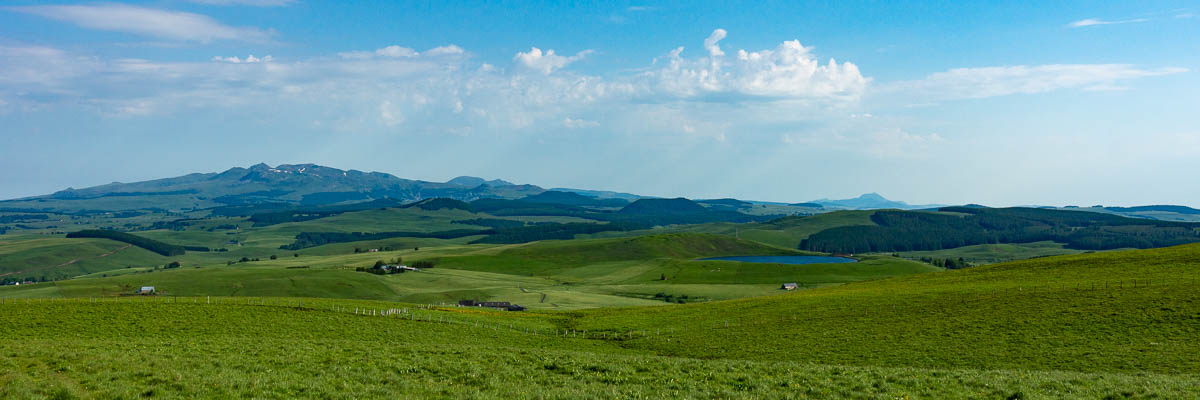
column 788, row 70
column 396, row 51
column 173, row 25
column 723, row 94
column 974, row 83
column 546, row 62
column 1093, row 22
column 250, row 59
column 711, row 45
column 447, row 50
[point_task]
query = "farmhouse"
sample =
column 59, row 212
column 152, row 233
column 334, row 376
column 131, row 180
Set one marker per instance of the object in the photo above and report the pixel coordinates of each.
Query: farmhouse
column 145, row 290
column 789, row 286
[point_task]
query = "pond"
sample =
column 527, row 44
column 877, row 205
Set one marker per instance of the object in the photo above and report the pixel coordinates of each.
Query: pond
column 787, row 259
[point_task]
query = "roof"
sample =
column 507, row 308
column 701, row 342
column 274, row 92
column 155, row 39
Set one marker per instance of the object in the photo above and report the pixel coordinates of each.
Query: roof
column 145, row 288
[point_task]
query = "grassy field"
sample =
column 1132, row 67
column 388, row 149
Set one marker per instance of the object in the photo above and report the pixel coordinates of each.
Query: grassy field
column 1129, row 311
column 559, row 275
column 1084, row 345
column 994, row 253
column 784, row 233
column 56, row 257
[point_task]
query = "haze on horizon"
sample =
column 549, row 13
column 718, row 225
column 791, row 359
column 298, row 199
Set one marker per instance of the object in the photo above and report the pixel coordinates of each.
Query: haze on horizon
column 1069, row 103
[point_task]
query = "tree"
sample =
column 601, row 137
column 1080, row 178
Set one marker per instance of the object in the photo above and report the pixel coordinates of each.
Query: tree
column 273, row 257
column 662, row 277
column 378, row 265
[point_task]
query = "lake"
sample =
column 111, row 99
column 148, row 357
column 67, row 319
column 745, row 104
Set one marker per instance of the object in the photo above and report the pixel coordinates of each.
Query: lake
column 786, row 259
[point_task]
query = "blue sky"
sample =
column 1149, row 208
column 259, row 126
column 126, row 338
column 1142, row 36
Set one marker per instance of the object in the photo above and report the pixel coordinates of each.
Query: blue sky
column 934, row 102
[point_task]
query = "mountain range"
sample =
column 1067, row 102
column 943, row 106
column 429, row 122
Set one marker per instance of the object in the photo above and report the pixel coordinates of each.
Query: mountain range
column 289, row 185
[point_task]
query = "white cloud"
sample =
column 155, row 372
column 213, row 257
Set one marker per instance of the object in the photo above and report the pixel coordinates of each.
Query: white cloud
column 572, row 123
column 394, row 51
column 974, row 83
column 172, row 25
column 250, row 59
column 447, row 50
column 737, row 96
column 1093, row 22
column 546, row 62
column 787, row 71
column 711, row 45
column 252, row 3
column 41, row 70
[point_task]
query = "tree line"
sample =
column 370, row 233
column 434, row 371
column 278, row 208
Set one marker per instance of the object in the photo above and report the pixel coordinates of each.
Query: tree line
column 161, row 248
column 920, row 231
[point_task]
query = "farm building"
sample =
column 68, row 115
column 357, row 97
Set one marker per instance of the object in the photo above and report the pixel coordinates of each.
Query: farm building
column 789, row 286
column 145, row 290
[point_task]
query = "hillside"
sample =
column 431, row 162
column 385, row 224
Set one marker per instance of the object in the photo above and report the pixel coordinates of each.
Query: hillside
column 1130, row 311
column 663, row 206
column 560, row 275
column 573, row 199
column 1061, row 327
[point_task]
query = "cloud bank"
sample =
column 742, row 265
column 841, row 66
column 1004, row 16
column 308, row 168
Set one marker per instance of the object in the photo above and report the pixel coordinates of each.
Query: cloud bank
column 171, row 25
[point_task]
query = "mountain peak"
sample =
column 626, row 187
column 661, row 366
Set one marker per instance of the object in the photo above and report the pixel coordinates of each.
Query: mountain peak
column 472, row 181
column 872, row 196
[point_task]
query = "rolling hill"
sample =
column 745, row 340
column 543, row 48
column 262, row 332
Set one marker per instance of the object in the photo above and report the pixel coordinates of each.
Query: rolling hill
column 1103, row 325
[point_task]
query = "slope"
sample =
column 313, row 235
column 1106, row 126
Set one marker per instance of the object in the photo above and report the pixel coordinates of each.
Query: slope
column 1131, row 311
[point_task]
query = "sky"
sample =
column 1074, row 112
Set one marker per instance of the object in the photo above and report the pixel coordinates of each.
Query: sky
column 1008, row 103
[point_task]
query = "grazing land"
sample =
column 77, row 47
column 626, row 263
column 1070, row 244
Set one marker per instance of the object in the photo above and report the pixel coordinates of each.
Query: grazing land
column 300, row 293
column 1074, row 326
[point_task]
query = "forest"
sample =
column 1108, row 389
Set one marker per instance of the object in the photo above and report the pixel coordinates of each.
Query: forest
column 917, row 231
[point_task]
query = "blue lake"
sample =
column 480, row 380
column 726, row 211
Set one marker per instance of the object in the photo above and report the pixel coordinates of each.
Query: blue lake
column 787, row 259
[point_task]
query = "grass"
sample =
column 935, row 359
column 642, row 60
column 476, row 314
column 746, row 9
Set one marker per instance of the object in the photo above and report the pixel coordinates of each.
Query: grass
column 1074, row 326
column 147, row 348
column 994, row 253
column 783, row 233
column 1078, row 313
column 57, row 257
column 558, row 275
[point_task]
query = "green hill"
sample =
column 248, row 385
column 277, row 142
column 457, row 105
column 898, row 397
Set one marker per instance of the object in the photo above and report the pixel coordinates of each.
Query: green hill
column 663, row 207
column 559, row 275
column 1129, row 311
column 573, row 199
column 1103, row 325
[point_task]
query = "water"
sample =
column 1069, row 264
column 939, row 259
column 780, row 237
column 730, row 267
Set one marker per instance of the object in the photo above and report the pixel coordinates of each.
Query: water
column 787, row 259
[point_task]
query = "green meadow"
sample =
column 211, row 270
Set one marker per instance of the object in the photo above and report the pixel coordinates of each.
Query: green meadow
column 638, row 314
column 1074, row 326
column 561, row 275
